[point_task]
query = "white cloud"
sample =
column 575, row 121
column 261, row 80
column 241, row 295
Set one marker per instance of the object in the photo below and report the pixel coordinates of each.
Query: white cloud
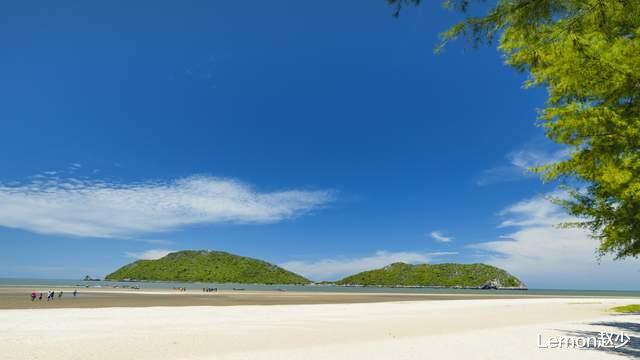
column 440, row 237
column 536, row 211
column 544, row 255
column 149, row 254
column 334, row 269
column 104, row 209
column 532, row 154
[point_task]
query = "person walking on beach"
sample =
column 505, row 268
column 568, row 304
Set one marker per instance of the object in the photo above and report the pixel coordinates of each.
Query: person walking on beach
column 60, row 294
column 53, row 295
column 48, row 295
column 40, row 297
column 33, row 295
column 75, row 292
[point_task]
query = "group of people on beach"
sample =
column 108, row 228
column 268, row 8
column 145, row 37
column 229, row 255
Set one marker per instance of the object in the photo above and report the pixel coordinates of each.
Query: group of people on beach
column 209, row 289
column 51, row 295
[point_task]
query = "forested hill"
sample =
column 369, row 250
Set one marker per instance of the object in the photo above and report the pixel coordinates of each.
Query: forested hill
column 449, row 275
column 207, row 266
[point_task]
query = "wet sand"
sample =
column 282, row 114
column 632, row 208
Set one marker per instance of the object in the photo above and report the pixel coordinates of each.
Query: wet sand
column 13, row 298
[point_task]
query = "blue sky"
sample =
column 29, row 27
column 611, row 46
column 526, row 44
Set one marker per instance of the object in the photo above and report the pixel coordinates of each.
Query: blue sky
column 326, row 137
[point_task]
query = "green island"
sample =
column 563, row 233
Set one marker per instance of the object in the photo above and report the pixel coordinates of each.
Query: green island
column 437, row 275
column 206, row 266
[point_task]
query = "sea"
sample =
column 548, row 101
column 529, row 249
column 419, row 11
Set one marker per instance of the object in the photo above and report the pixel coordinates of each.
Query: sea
column 43, row 284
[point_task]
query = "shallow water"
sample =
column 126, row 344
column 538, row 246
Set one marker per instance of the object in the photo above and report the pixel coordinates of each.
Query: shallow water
column 32, row 283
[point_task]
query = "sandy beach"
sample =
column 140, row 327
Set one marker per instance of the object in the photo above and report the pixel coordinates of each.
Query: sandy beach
column 462, row 329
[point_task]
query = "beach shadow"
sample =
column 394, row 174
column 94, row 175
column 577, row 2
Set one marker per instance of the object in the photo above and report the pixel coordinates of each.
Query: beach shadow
column 632, row 328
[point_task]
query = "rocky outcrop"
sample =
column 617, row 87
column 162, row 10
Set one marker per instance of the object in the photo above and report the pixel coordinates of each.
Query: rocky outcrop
column 495, row 284
column 491, row 285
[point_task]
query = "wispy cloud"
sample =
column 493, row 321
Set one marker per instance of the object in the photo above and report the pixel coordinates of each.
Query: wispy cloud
column 544, row 255
column 536, row 211
column 334, row 269
column 149, row 254
column 440, row 237
column 73, row 168
column 94, row 208
column 525, row 159
column 158, row 241
column 520, row 161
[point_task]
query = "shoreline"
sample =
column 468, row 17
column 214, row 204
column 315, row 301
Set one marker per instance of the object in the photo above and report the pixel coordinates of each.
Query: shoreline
column 14, row 298
column 312, row 284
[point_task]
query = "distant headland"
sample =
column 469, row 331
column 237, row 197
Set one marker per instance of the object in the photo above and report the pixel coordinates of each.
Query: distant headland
column 473, row 276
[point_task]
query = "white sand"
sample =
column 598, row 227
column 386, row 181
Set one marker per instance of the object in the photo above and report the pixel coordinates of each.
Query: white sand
column 461, row 329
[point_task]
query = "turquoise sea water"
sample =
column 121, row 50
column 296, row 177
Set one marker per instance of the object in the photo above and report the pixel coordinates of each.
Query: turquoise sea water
column 62, row 283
